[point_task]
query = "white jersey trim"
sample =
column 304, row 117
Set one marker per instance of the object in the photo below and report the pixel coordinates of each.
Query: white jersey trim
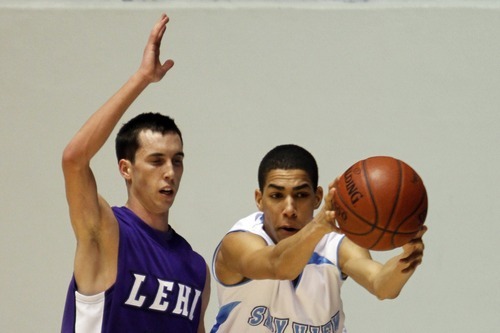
column 89, row 312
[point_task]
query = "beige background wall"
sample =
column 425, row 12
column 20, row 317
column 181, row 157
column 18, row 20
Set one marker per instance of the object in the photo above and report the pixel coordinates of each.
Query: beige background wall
column 419, row 82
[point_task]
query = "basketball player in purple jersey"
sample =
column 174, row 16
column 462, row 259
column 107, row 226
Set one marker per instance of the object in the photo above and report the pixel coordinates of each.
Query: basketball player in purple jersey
column 132, row 271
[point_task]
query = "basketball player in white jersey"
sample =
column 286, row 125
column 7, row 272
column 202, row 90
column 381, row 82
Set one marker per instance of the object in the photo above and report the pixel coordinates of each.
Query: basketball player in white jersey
column 280, row 269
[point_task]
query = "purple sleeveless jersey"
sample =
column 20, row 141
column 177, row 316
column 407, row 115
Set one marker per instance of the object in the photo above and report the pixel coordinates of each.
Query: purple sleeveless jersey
column 158, row 286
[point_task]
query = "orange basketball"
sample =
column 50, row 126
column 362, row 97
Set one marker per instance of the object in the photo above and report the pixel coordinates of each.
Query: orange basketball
column 380, row 203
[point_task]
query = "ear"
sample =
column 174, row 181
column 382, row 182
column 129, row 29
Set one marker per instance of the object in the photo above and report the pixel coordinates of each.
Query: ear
column 124, row 167
column 318, row 197
column 258, row 199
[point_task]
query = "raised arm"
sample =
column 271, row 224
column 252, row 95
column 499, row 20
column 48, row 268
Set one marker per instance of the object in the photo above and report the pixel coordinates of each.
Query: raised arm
column 93, row 222
column 384, row 281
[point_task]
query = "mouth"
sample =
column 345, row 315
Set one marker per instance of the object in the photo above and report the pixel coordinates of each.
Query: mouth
column 167, row 191
column 289, row 229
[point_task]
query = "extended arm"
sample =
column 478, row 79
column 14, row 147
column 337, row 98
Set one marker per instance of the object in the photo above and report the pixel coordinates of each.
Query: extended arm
column 93, row 222
column 246, row 255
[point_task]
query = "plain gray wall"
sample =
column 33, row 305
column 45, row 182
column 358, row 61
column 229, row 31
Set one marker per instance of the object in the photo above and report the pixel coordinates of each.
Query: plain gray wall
column 346, row 81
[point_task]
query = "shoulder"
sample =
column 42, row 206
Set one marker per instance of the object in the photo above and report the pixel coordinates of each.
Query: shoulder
column 331, row 241
column 123, row 213
column 251, row 226
column 253, row 221
column 186, row 246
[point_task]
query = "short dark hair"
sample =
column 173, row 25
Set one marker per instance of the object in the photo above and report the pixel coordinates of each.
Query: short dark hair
column 287, row 157
column 127, row 139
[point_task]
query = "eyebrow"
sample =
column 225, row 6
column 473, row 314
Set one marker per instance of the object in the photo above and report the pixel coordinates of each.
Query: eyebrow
column 296, row 188
column 181, row 154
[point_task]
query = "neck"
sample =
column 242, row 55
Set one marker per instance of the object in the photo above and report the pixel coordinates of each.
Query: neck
column 156, row 221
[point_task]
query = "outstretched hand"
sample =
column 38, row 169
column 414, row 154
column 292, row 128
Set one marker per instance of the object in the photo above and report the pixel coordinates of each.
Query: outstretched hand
column 151, row 66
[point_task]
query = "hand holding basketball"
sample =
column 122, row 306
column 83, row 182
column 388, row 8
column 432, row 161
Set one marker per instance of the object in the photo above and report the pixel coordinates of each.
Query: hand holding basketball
column 328, row 207
column 413, row 251
column 380, row 203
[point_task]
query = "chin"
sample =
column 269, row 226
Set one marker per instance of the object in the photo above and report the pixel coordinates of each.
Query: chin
column 285, row 234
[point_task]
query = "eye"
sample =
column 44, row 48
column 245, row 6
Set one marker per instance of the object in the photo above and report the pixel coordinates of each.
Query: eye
column 276, row 195
column 178, row 161
column 301, row 195
column 157, row 161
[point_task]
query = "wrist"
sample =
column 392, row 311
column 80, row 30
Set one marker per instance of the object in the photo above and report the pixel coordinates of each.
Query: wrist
column 321, row 223
column 140, row 79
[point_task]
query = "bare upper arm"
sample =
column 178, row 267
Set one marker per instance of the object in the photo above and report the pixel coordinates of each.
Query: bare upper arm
column 95, row 228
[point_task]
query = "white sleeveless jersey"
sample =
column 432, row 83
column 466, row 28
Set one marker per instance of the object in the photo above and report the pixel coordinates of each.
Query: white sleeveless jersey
column 309, row 304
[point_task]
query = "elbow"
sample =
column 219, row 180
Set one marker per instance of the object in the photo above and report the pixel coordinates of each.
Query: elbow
column 384, row 295
column 69, row 156
column 72, row 158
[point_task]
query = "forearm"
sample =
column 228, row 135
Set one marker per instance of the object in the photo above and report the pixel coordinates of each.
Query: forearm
column 391, row 278
column 292, row 254
column 396, row 271
column 94, row 133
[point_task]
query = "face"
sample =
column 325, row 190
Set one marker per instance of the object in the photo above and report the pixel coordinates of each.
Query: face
column 288, row 202
column 154, row 177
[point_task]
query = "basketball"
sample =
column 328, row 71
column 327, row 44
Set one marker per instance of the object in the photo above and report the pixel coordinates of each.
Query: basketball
column 380, row 203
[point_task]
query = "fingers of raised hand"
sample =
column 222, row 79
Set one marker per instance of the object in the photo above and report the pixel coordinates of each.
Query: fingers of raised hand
column 330, row 217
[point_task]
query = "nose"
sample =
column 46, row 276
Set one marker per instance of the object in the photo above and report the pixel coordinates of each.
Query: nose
column 168, row 172
column 289, row 210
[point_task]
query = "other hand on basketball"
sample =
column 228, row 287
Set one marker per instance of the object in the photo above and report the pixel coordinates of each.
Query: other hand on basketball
column 413, row 252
